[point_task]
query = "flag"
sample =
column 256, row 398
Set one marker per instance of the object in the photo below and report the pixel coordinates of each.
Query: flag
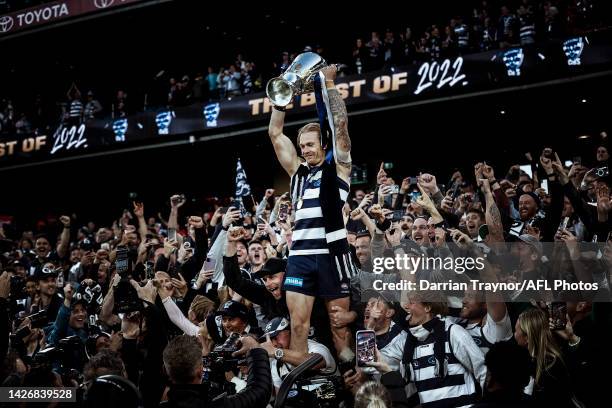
column 242, row 186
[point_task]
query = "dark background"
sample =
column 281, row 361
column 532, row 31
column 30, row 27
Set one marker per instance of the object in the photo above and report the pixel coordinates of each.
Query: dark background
column 129, row 49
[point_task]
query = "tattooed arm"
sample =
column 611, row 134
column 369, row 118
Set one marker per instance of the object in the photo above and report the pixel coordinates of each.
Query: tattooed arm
column 492, row 214
column 338, row 110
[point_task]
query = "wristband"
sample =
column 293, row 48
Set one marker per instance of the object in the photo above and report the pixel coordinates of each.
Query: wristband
column 279, row 108
column 385, row 225
column 224, row 228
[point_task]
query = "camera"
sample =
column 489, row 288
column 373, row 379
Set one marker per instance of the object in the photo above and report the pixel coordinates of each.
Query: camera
column 217, row 363
column 221, row 356
column 316, row 392
column 602, row 171
column 68, row 358
column 38, row 320
column 17, row 287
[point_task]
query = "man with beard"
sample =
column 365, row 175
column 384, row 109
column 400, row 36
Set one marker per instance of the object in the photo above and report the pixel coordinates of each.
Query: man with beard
column 363, row 251
column 546, row 220
column 42, row 247
column 473, row 220
column 485, row 318
column 420, row 232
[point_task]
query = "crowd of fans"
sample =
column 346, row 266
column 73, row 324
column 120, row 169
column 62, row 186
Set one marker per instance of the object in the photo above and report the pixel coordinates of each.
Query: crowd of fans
column 186, row 308
column 489, row 25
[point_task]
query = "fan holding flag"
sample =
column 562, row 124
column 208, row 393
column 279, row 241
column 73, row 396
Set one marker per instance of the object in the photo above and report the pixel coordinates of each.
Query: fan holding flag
column 319, row 263
column 243, row 188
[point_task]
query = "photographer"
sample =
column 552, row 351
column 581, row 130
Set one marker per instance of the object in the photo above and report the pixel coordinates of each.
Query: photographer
column 42, row 247
column 278, row 339
column 183, row 362
column 144, row 338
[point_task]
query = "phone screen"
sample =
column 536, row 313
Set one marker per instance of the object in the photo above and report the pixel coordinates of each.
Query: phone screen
column 544, row 185
column 557, row 311
column 210, row 264
column 564, row 223
column 172, row 234
column 366, row 345
column 282, row 212
column 527, row 169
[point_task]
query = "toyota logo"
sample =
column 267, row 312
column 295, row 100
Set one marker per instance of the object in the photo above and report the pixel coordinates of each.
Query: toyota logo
column 6, row 23
column 103, row 3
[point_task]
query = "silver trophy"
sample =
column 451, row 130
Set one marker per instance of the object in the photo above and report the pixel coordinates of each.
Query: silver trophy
column 296, row 80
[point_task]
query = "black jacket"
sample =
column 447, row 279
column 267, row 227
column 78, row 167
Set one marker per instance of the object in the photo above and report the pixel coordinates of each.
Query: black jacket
column 256, row 394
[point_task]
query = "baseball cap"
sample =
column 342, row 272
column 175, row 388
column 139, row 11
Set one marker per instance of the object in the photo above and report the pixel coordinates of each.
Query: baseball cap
column 532, row 195
column 45, row 272
column 234, row 309
column 272, row 266
column 18, row 262
column 275, row 326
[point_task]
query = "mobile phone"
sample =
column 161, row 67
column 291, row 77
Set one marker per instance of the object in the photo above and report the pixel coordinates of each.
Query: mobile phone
column 563, row 224
column 413, row 180
column 394, row 189
column 549, row 153
column 122, row 263
column 210, row 264
column 171, row 234
column 544, row 185
column 558, row 312
column 366, row 346
column 456, row 191
column 415, row 196
column 483, row 231
column 283, row 211
column 397, row 215
column 526, row 168
column 577, row 160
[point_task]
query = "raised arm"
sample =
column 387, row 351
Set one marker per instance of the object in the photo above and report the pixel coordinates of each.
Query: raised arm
column 338, row 110
column 62, row 246
column 285, row 151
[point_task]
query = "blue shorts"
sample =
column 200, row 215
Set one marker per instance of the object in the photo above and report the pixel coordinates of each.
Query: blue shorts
column 313, row 275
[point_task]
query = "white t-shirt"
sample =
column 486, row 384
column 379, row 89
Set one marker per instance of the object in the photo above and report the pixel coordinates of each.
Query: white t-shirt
column 313, row 348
